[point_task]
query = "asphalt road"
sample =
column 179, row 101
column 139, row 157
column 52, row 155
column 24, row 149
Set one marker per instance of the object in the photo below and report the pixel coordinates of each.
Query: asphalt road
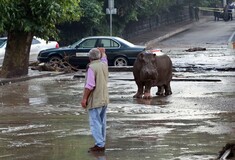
column 206, row 33
column 42, row 118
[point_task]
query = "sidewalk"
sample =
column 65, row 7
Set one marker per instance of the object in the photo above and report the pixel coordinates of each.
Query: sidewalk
column 150, row 38
column 160, row 33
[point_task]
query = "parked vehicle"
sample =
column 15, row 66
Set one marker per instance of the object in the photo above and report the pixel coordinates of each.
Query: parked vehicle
column 37, row 45
column 2, row 41
column 119, row 51
column 2, row 47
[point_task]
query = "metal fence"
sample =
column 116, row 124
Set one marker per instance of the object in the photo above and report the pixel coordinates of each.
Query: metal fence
column 148, row 24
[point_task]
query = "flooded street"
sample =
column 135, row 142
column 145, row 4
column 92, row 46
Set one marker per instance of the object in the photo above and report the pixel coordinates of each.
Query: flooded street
column 42, row 119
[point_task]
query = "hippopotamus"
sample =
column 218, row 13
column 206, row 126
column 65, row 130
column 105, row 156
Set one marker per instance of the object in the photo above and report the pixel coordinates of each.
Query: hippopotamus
column 152, row 69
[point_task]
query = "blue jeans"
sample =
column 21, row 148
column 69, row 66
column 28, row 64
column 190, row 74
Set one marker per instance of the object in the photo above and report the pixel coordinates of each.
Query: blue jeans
column 97, row 119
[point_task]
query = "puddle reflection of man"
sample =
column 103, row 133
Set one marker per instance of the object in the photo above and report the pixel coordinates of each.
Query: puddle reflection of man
column 99, row 155
column 95, row 96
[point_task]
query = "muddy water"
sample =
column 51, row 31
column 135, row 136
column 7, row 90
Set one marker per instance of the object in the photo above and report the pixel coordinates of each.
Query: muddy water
column 42, row 119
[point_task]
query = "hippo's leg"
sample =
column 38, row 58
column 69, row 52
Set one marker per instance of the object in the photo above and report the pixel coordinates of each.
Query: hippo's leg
column 160, row 91
column 147, row 89
column 139, row 92
column 168, row 89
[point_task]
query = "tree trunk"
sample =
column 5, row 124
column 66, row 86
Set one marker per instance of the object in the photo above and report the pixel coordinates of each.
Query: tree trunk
column 16, row 60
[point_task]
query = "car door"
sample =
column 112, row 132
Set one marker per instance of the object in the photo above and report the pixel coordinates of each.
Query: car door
column 35, row 47
column 110, row 45
column 81, row 58
column 113, row 49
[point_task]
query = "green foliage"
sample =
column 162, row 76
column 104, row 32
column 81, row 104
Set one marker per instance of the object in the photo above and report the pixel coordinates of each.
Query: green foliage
column 155, row 7
column 92, row 11
column 132, row 10
column 211, row 3
column 203, row 3
column 37, row 16
column 129, row 10
column 92, row 22
column 92, row 14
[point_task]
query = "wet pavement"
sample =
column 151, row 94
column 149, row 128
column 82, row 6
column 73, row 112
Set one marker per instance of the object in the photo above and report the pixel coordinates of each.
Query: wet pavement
column 42, row 118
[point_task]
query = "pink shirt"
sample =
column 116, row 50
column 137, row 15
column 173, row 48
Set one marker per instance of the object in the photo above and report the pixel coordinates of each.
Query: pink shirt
column 90, row 83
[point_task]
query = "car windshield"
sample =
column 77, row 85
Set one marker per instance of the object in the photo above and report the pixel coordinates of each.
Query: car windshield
column 2, row 42
column 75, row 44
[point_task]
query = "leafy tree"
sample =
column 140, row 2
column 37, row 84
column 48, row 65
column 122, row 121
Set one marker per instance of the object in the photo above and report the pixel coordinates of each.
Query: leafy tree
column 156, row 7
column 90, row 23
column 203, row 3
column 94, row 21
column 129, row 10
column 92, row 14
column 23, row 19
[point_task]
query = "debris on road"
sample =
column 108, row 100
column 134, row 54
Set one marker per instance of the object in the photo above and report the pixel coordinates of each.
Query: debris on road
column 195, row 49
column 61, row 66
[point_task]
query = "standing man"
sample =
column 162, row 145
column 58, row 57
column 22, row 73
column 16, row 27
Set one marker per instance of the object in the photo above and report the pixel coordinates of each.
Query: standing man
column 191, row 12
column 196, row 12
column 95, row 96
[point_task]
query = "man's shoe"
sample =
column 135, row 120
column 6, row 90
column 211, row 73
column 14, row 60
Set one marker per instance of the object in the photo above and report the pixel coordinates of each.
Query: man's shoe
column 96, row 149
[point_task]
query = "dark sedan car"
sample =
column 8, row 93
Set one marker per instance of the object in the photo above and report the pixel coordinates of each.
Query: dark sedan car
column 119, row 51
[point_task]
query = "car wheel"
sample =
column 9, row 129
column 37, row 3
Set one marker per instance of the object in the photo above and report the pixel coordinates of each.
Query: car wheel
column 56, row 62
column 120, row 61
column 55, row 59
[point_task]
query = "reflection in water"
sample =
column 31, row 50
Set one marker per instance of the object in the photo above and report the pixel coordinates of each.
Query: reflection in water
column 144, row 101
column 37, row 94
column 14, row 97
column 159, row 100
column 99, row 155
column 23, row 94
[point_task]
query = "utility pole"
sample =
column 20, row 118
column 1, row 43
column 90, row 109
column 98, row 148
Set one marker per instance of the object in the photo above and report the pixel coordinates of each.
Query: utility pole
column 111, row 10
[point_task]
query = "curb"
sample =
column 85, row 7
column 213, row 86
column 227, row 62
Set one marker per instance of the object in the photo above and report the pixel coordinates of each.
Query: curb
column 159, row 39
column 4, row 81
column 173, row 33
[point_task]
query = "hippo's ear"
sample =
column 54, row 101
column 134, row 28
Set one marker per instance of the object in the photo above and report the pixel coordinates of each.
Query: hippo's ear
column 141, row 56
column 154, row 57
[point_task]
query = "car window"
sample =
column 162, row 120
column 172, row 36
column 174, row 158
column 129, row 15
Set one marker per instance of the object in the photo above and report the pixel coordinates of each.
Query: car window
column 125, row 42
column 108, row 43
column 2, row 42
column 76, row 44
column 90, row 43
column 35, row 41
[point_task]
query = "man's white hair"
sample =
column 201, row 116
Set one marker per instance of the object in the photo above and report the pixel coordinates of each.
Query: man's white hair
column 94, row 54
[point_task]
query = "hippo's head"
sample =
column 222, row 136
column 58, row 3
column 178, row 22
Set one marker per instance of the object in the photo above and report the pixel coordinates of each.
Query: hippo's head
column 147, row 65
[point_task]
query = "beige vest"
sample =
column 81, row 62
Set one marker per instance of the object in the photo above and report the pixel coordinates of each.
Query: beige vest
column 99, row 96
